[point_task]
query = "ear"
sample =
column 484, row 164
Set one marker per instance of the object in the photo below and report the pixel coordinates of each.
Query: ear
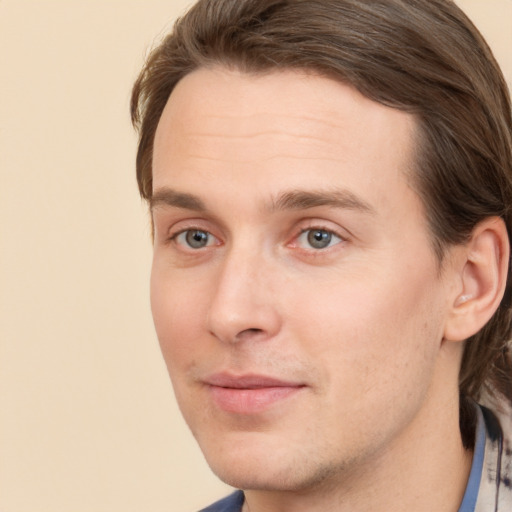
column 482, row 276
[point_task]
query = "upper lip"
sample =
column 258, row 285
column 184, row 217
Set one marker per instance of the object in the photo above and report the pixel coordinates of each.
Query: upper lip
column 248, row 381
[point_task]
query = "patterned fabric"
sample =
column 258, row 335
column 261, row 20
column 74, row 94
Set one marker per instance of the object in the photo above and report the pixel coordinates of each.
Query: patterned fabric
column 495, row 493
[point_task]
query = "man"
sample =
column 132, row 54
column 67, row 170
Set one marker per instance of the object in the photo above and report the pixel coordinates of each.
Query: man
column 330, row 183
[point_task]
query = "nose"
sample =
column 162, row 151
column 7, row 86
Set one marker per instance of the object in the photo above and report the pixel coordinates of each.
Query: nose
column 244, row 304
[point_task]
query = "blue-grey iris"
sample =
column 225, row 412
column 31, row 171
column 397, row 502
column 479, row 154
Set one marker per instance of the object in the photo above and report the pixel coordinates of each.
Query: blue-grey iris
column 319, row 239
column 196, row 238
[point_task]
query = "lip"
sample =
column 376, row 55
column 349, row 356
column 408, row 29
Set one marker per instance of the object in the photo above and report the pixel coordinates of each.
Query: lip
column 249, row 394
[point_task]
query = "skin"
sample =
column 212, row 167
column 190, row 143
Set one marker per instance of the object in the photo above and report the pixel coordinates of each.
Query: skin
column 355, row 329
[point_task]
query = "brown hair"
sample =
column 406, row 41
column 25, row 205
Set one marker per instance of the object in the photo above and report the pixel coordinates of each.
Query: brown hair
column 421, row 56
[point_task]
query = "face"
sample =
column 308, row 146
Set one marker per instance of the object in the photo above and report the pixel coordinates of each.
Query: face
column 296, row 297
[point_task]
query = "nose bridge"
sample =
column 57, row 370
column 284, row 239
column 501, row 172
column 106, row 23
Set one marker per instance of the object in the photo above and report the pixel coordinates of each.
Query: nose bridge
column 243, row 304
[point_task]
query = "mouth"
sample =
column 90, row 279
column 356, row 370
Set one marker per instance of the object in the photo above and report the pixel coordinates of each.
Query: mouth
column 249, row 394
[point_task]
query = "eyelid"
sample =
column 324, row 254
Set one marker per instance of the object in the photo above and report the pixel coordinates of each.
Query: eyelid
column 334, row 232
column 303, row 242
column 322, row 225
column 173, row 229
column 210, row 241
column 175, row 233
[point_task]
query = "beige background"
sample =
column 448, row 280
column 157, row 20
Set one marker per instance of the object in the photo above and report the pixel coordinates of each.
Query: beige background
column 88, row 422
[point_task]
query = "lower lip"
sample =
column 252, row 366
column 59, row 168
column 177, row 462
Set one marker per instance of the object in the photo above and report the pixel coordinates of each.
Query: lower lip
column 251, row 401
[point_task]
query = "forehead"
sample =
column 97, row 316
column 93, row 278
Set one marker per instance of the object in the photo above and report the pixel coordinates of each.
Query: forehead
column 279, row 130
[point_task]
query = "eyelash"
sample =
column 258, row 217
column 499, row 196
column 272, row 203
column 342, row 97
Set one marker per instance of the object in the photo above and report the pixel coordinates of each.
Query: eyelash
column 329, row 236
column 319, row 229
column 174, row 237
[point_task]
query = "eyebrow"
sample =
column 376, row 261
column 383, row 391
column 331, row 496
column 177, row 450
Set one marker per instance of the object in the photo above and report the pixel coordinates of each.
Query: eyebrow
column 169, row 197
column 289, row 200
column 301, row 200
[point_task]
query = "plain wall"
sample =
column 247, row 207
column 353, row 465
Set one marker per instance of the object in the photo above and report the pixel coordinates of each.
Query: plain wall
column 88, row 421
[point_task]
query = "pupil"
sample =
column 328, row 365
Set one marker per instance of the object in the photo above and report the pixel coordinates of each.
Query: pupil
column 197, row 238
column 319, row 239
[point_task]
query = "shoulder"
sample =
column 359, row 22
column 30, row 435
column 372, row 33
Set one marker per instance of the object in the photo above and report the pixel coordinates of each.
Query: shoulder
column 231, row 503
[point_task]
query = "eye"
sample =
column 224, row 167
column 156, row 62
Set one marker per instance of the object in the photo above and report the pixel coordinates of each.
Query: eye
column 318, row 238
column 194, row 238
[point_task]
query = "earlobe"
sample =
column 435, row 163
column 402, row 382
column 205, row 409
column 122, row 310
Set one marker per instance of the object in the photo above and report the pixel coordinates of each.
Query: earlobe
column 483, row 276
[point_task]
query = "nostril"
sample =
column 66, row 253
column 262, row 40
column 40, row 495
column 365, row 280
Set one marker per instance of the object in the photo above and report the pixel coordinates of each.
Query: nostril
column 249, row 333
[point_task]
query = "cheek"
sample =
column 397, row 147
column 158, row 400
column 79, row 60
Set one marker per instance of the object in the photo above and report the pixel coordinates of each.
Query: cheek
column 372, row 330
column 176, row 306
column 375, row 355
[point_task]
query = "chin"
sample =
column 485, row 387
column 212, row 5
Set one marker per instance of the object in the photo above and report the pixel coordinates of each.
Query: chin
column 256, row 477
column 248, row 461
column 268, row 477
column 255, row 466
